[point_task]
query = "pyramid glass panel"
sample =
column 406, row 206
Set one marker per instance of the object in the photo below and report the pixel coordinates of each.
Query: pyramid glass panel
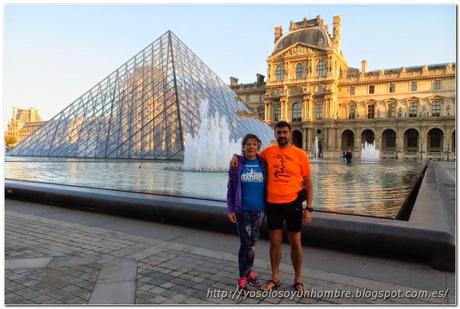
column 144, row 110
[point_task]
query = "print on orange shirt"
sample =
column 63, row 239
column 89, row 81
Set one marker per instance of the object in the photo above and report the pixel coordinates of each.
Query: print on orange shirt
column 280, row 168
column 285, row 167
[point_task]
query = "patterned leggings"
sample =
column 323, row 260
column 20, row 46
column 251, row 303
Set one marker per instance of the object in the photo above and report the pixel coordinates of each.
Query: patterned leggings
column 248, row 224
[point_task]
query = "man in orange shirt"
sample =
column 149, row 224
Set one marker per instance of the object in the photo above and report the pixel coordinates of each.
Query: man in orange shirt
column 288, row 170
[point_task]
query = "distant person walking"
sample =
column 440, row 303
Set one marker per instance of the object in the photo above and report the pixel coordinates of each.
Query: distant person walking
column 349, row 156
column 344, row 158
column 246, row 205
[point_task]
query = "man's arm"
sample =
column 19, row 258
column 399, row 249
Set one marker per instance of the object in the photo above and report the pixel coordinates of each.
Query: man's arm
column 231, row 196
column 308, row 185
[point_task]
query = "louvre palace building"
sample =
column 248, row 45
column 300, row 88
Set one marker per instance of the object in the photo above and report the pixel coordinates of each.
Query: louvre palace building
column 23, row 123
column 407, row 112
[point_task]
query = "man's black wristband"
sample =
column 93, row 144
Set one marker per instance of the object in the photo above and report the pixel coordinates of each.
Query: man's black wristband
column 308, row 209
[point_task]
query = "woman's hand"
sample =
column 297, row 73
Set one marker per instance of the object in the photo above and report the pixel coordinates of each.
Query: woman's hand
column 234, row 161
column 231, row 217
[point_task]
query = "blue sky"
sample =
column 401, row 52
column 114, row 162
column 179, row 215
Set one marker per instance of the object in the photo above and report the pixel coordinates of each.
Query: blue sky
column 54, row 53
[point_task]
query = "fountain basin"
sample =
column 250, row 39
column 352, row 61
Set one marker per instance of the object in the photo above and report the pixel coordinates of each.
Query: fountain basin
column 377, row 189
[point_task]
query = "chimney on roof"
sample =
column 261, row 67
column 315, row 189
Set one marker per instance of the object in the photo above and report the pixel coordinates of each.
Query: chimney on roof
column 260, row 79
column 34, row 115
column 278, row 33
column 337, row 30
column 233, row 81
column 363, row 66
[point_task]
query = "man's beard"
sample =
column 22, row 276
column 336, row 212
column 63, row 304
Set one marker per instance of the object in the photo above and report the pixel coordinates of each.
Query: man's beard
column 282, row 141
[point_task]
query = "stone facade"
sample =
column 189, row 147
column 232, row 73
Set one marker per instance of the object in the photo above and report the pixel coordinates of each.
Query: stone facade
column 406, row 112
column 23, row 123
column 252, row 94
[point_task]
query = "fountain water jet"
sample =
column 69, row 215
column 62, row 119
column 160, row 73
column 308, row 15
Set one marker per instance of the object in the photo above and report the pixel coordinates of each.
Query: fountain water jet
column 210, row 149
column 316, row 149
column 369, row 152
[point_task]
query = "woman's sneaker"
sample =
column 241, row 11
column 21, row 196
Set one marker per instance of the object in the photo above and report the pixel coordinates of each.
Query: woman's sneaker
column 252, row 280
column 242, row 283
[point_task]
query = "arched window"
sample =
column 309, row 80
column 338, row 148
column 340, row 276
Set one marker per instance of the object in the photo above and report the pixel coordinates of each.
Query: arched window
column 279, row 72
column 299, row 71
column 348, row 140
column 435, row 140
column 389, row 140
column 411, row 140
column 296, row 112
column 321, row 68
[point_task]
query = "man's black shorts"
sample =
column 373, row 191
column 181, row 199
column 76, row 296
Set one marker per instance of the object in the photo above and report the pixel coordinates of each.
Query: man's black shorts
column 291, row 212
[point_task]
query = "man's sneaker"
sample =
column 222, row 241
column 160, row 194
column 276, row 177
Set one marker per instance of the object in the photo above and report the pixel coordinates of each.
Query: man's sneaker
column 252, row 280
column 242, row 283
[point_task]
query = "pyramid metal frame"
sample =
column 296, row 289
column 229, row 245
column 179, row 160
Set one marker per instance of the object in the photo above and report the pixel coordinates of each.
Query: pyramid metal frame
column 143, row 110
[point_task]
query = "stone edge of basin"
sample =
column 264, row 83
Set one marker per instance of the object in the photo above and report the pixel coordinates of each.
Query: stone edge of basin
column 420, row 239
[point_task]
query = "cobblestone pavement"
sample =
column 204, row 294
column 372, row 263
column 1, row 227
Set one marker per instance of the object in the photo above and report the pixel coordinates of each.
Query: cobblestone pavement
column 53, row 262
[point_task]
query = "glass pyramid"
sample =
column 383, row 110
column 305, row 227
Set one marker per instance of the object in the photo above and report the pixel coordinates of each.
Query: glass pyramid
column 144, row 110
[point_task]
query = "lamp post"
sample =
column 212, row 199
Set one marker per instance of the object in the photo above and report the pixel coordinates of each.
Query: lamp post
column 447, row 155
column 421, row 148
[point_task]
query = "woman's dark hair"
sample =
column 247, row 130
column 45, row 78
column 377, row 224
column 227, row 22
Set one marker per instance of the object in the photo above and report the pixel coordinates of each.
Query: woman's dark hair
column 248, row 137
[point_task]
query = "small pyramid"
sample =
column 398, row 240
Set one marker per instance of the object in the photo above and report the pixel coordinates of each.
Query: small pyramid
column 144, row 110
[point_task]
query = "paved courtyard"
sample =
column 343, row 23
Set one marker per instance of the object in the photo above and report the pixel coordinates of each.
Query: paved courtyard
column 62, row 256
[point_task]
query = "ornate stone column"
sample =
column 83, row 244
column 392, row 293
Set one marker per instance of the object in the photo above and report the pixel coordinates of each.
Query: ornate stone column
column 330, row 139
column 268, row 109
column 446, row 141
column 311, row 138
column 338, row 139
column 305, row 139
column 378, row 139
column 304, row 110
column 307, row 102
column 325, row 139
column 423, row 143
column 283, row 102
column 313, row 109
column 400, row 143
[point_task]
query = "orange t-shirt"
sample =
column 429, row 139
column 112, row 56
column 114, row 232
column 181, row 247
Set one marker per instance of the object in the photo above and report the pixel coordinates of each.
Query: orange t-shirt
column 285, row 168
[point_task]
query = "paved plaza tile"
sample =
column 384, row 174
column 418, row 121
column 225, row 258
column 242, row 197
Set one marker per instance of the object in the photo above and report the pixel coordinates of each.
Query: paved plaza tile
column 51, row 261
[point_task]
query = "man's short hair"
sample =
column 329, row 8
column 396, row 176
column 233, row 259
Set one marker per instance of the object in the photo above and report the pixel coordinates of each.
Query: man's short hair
column 283, row 124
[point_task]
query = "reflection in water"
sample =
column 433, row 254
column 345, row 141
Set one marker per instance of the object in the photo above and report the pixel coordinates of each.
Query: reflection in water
column 374, row 189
